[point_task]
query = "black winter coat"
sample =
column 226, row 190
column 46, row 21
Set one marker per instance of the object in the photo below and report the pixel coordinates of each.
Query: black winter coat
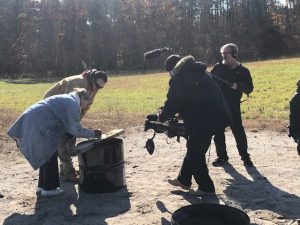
column 240, row 75
column 294, row 128
column 196, row 96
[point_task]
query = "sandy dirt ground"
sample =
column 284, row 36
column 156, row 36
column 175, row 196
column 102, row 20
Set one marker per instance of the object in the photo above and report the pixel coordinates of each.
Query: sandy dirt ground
column 269, row 193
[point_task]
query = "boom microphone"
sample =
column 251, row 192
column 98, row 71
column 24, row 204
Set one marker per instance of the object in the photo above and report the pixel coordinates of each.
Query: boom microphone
column 156, row 52
column 152, row 54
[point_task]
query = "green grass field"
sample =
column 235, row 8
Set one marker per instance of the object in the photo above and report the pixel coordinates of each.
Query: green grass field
column 129, row 97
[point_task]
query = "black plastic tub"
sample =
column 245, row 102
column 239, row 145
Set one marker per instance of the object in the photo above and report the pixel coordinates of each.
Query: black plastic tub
column 209, row 214
column 102, row 168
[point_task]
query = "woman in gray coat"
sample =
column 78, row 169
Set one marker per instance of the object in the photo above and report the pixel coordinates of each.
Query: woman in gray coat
column 39, row 128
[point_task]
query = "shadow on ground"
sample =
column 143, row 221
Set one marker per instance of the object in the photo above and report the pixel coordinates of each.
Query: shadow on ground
column 266, row 197
column 75, row 209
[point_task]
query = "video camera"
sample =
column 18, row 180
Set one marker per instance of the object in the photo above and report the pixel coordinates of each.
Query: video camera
column 173, row 128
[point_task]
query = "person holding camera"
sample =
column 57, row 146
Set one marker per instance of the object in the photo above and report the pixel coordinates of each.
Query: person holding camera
column 294, row 127
column 234, row 80
column 91, row 80
column 197, row 98
column 39, row 128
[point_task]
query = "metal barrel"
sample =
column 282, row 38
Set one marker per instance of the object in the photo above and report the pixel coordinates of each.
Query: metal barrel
column 102, row 169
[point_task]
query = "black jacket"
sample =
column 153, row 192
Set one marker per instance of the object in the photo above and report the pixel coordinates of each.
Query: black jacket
column 294, row 127
column 196, row 96
column 240, row 75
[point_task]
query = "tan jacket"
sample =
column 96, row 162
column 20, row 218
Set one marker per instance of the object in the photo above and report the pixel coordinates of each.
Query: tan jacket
column 68, row 84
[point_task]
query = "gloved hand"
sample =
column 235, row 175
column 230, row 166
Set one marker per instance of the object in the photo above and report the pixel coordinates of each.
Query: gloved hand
column 98, row 133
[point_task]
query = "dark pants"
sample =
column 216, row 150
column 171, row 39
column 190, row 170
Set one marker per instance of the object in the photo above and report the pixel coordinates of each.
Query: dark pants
column 298, row 146
column 194, row 164
column 238, row 133
column 48, row 175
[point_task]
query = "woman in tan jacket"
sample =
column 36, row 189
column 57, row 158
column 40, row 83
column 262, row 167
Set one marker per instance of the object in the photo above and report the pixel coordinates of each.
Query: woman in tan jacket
column 92, row 81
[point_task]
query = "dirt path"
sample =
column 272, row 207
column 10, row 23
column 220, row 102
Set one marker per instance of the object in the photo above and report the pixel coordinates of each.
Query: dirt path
column 268, row 193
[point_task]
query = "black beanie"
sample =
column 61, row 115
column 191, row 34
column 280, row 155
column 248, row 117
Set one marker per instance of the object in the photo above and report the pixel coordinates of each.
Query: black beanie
column 100, row 75
column 171, row 62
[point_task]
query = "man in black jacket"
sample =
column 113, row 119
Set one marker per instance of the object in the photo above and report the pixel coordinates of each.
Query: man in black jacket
column 198, row 99
column 234, row 80
column 294, row 128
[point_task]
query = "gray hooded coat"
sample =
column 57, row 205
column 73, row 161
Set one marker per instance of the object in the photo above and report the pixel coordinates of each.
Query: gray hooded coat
column 40, row 126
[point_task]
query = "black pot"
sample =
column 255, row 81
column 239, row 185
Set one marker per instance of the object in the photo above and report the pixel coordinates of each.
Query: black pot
column 209, row 214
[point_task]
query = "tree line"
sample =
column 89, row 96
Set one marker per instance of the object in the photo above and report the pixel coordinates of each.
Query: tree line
column 53, row 38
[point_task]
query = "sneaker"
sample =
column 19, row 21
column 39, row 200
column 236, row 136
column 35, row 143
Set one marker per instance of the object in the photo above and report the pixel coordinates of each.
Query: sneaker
column 219, row 162
column 176, row 183
column 198, row 192
column 53, row 192
column 38, row 190
column 248, row 162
